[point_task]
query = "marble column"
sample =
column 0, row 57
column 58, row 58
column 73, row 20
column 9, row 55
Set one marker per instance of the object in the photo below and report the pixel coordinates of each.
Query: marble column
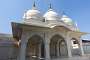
column 81, row 47
column 58, row 49
column 40, row 50
column 68, row 41
column 22, row 51
column 47, row 53
column 47, row 47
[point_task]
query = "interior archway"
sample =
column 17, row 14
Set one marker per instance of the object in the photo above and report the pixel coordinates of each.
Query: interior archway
column 35, row 48
column 58, row 47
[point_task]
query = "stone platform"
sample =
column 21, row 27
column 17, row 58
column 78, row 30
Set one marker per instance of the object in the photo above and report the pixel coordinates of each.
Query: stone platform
column 75, row 58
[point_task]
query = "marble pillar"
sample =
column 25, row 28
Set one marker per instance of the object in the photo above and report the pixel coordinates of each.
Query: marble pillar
column 58, row 49
column 22, row 51
column 81, row 47
column 40, row 50
column 47, row 47
column 68, row 41
column 47, row 53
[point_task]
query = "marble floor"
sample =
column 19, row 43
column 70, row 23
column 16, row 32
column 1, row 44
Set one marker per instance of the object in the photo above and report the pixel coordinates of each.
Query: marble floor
column 75, row 58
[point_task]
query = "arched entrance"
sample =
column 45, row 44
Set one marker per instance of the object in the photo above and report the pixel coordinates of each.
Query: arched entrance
column 35, row 48
column 58, row 47
column 75, row 47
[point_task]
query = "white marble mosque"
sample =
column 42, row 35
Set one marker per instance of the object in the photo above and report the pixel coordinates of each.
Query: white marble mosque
column 42, row 37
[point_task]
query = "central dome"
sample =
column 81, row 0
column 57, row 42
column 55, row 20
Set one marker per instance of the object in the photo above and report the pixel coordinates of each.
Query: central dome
column 51, row 15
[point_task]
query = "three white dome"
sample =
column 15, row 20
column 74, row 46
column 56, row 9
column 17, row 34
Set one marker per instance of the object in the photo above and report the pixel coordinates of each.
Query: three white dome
column 50, row 15
column 35, row 15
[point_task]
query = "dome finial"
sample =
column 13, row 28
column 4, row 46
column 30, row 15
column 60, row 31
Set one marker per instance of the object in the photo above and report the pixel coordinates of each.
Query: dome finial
column 34, row 4
column 76, row 25
column 50, row 6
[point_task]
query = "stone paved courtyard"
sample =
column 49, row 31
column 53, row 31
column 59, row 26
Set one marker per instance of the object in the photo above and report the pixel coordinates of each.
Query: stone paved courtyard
column 75, row 58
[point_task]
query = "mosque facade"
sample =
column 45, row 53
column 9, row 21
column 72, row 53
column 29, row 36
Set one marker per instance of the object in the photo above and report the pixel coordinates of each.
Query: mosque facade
column 42, row 37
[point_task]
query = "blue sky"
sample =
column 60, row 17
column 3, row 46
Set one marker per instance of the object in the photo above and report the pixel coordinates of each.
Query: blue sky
column 12, row 10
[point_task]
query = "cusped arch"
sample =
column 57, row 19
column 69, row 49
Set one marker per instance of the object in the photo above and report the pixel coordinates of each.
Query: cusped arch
column 35, row 35
column 57, row 45
column 35, row 39
column 35, row 46
column 58, row 36
column 30, row 35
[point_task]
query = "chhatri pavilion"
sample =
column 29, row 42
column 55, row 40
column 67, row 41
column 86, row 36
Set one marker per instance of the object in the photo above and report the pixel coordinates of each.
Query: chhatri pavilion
column 42, row 37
